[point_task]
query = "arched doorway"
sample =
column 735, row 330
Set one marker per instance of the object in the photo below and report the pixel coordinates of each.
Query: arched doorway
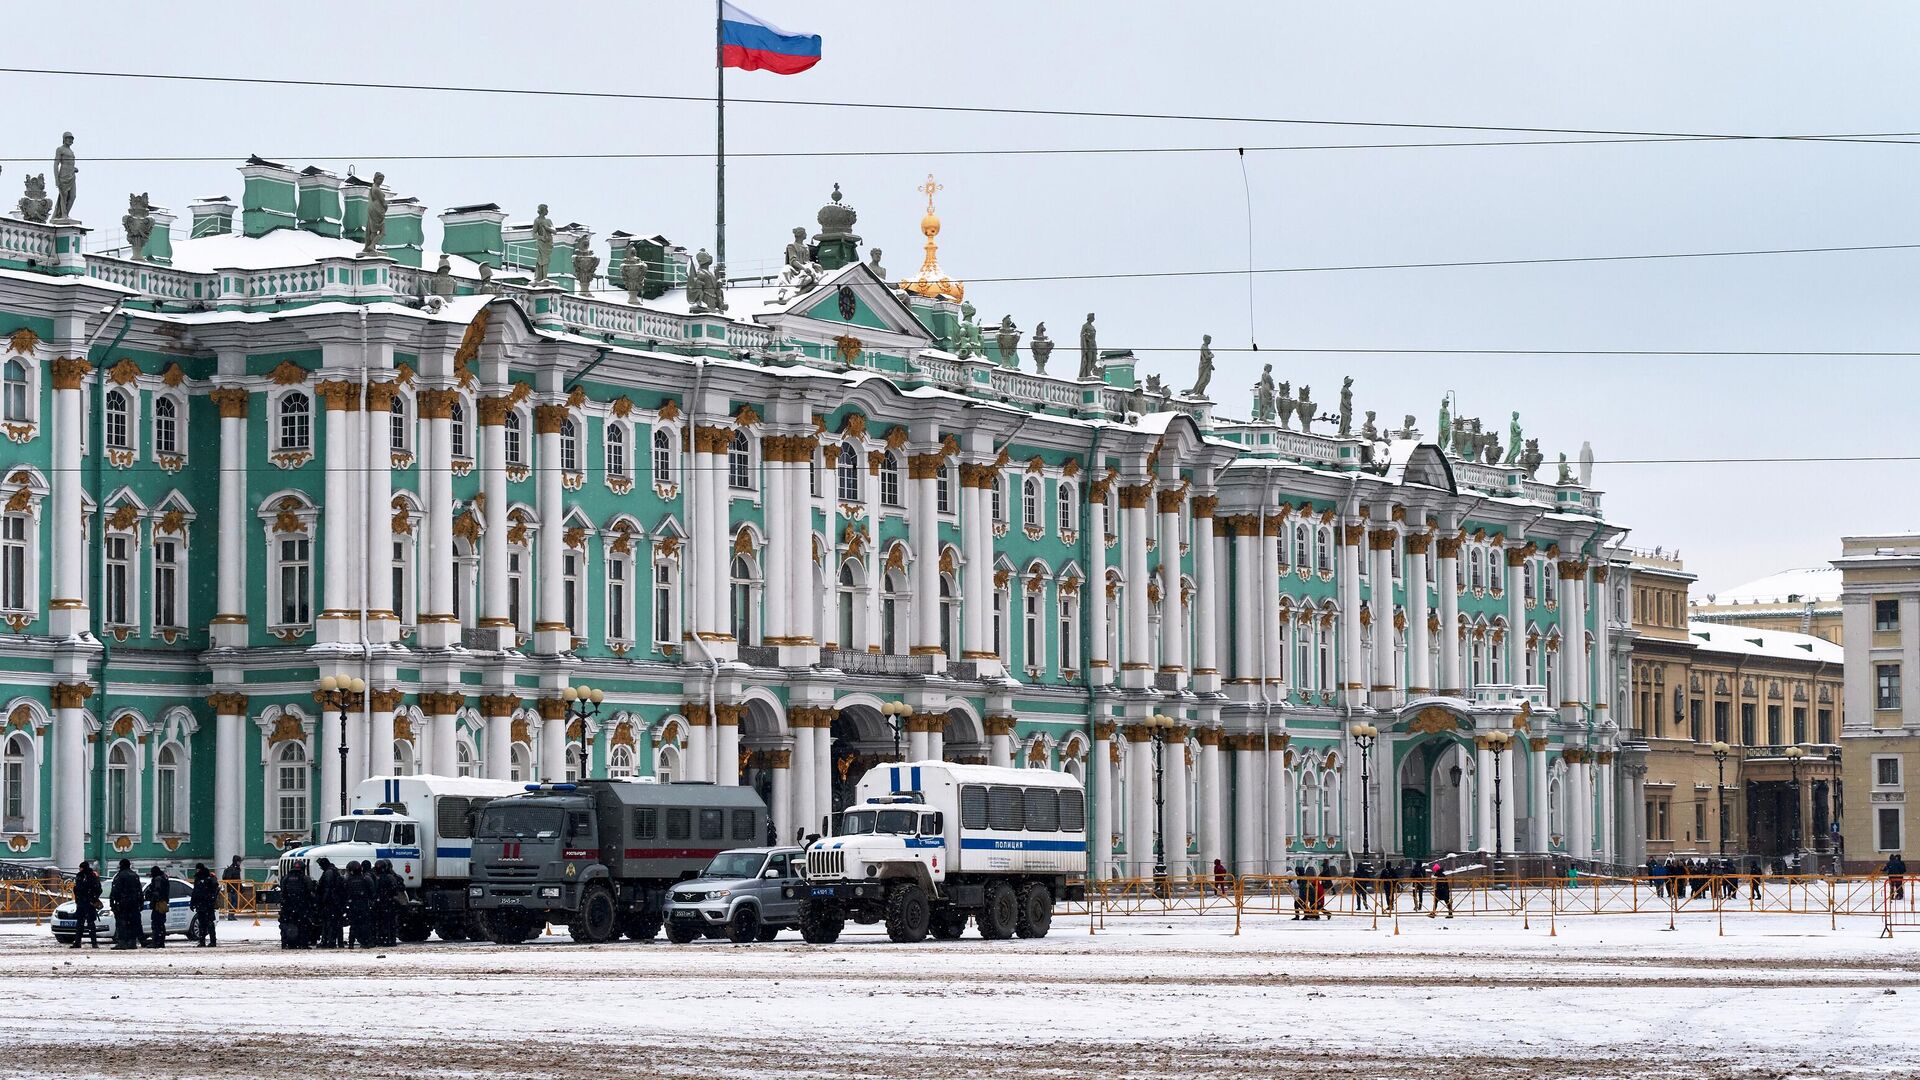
column 1435, row 783
column 861, row 740
column 760, row 737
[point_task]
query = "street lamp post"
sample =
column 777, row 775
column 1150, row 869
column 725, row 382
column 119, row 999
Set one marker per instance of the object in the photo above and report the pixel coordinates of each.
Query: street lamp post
column 583, row 702
column 342, row 693
column 1720, row 749
column 1364, row 735
column 1161, row 725
column 895, row 713
column 1793, row 755
column 1497, row 742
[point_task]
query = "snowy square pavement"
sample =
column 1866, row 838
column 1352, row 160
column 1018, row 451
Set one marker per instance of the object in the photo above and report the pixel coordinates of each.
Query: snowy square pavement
column 1615, row 996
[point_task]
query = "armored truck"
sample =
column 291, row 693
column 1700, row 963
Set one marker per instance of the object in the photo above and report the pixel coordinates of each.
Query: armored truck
column 930, row 844
column 423, row 825
column 600, row 855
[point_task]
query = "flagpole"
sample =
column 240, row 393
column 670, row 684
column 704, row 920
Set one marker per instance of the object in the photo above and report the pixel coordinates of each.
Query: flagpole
column 720, row 144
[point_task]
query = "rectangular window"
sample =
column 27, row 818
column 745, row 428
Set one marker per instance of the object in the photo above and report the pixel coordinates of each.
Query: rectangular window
column 1069, row 637
column 513, row 590
column 119, row 573
column 1886, row 614
column 1773, row 725
column 973, row 807
column 166, row 585
column 663, row 603
column 1043, row 809
column 570, row 575
column 1699, row 821
column 1886, row 686
column 617, row 600
column 1746, row 723
column 646, row 822
column 296, row 572
column 1006, row 808
column 1693, row 719
column 1824, row 726
column 1031, row 651
column 679, row 824
column 13, row 563
column 1888, row 829
column 1721, row 712
column 1886, row 772
column 1799, row 724
column 743, row 825
column 712, row 824
column 1073, row 811
column 943, row 490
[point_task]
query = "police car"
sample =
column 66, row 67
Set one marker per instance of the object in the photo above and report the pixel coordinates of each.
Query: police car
column 66, row 920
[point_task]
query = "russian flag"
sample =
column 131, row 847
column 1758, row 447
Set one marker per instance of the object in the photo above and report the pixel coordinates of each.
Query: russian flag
column 754, row 44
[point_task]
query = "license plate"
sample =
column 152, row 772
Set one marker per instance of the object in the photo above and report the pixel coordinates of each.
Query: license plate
column 686, row 915
column 822, row 892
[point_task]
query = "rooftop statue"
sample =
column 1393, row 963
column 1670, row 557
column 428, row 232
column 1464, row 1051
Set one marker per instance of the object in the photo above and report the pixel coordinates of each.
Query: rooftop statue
column 138, row 225
column 66, row 172
column 1493, row 448
column 703, row 286
column 966, row 339
column 1444, row 433
column 1531, row 457
column 486, row 279
column 1089, row 350
column 1042, row 347
column 1303, row 407
column 34, row 205
column 1205, row 375
column 585, row 263
column 542, row 244
column 1406, row 427
column 1263, row 397
column 1566, row 471
column 1346, row 407
column 633, row 272
column 376, row 215
column 873, row 264
column 1282, row 404
column 1369, row 431
column 1586, row 464
column 800, row 271
column 443, row 277
column 1009, row 341
column 1513, row 439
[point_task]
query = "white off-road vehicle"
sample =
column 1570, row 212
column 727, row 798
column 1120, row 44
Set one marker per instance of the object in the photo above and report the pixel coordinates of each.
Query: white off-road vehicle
column 930, row 844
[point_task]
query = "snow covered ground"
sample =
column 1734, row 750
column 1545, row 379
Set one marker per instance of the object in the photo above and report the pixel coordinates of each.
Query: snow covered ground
column 1609, row 996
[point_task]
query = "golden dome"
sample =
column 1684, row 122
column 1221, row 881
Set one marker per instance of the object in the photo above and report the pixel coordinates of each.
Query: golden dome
column 931, row 282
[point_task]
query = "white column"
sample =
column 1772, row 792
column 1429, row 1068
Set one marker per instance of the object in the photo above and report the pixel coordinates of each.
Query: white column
column 229, row 777
column 1173, row 613
column 1173, row 777
column 726, row 755
column 1206, row 599
column 1246, row 608
column 698, row 760
column 445, row 739
column 497, row 629
column 327, row 749
column 780, row 766
column 803, row 606
column 1278, row 793
column 230, row 622
column 1516, row 643
column 1482, row 795
column 1100, row 776
column 876, row 635
column 936, row 737
column 1447, row 680
column 1000, row 741
column 823, row 771
column 338, row 621
column 1265, row 583
column 68, row 825
column 67, row 615
column 553, row 743
column 1352, row 664
column 1607, row 846
column 776, row 624
column 1249, row 855
column 1540, row 809
column 805, row 819
column 438, row 625
column 551, row 634
column 376, row 479
column 1419, row 662
column 1384, row 678
column 1135, row 649
column 916, row 742
column 378, row 756
column 1093, row 597
column 923, row 471
column 497, row 754
column 1208, row 812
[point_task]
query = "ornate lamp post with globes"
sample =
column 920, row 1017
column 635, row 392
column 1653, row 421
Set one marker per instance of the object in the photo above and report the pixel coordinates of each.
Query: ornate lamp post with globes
column 1161, row 725
column 895, row 714
column 1497, row 742
column 1793, row 756
column 583, row 701
column 337, row 692
column 1720, row 751
column 1364, row 735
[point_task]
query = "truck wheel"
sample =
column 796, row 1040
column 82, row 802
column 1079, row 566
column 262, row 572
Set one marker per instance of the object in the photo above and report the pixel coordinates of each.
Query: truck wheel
column 640, row 925
column 413, row 929
column 593, row 923
column 907, row 913
column 768, row 933
column 1001, row 916
column 744, row 926
column 454, row 929
column 507, row 927
column 820, row 925
column 1036, row 911
column 948, row 925
column 682, row 934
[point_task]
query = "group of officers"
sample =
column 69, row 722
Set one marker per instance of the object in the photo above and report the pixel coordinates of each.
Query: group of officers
column 358, row 907
column 129, row 897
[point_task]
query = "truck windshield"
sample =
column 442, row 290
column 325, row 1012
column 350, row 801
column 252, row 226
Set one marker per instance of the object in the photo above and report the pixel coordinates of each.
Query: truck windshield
column 358, row 831
column 734, row 864
column 520, row 822
column 859, row 822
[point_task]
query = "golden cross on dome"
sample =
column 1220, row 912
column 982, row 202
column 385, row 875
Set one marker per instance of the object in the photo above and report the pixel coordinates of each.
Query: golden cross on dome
column 928, row 189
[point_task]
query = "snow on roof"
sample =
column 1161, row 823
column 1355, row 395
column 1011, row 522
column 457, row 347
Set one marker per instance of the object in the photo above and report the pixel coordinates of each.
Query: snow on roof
column 285, row 247
column 1789, row 586
column 1774, row 644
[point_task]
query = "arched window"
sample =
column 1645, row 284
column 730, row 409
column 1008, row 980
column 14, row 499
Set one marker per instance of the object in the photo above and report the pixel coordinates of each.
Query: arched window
column 1302, row 546
column 457, row 429
column 1067, row 507
column 573, row 762
column 290, row 776
column 169, row 797
column 569, row 446
column 520, row 764
column 997, row 502
column 516, row 446
column 462, row 759
column 662, row 456
column 847, row 474
column 1307, row 811
column 890, row 479
column 1030, row 503
column 397, row 425
column 295, row 422
column 166, row 426
column 118, row 411
column 743, row 607
column 121, row 797
column 949, row 617
column 18, row 783
column 616, row 450
column 666, row 764
column 403, row 764
column 849, row 588
column 1478, row 570
column 619, row 597
column 14, row 390
column 893, row 613
column 740, row 462
column 620, row 762
column 1323, row 555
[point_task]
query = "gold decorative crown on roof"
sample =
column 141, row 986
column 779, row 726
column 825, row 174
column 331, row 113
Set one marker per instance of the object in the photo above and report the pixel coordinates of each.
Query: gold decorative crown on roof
column 931, row 282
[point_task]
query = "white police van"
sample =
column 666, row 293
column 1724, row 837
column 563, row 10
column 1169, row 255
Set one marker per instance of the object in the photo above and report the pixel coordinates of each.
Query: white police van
column 931, row 843
column 423, row 825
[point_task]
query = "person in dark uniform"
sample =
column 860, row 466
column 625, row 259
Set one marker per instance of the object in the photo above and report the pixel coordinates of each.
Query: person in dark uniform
column 86, row 905
column 387, row 888
column 296, row 906
column 1390, row 885
column 1896, row 872
column 206, row 906
column 231, row 879
column 125, row 900
column 158, row 892
column 1416, row 875
column 332, row 905
column 1300, row 887
column 359, row 906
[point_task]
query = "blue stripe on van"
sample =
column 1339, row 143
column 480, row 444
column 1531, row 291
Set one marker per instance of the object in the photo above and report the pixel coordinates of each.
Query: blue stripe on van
column 984, row 844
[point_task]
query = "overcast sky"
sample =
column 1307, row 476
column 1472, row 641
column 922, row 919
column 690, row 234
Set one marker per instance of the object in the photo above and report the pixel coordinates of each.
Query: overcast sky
column 1744, row 68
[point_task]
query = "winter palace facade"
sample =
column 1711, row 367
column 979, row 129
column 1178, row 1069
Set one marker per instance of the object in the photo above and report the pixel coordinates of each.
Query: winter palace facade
column 784, row 538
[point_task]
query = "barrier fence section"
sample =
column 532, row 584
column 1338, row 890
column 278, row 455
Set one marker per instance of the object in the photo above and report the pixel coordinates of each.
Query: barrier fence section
column 37, row 898
column 1312, row 897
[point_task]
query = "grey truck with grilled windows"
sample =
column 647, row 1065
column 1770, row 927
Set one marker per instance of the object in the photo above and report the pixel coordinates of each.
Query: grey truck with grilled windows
column 930, row 844
column 599, row 856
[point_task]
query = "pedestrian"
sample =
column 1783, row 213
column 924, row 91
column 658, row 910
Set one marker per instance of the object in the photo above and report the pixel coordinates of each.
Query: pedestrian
column 158, row 891
column 86, row 905
column 124, row 898
column 1219, row 878
column 234, row 878
column 387, row 892
column 1390, row 886
column 1300, row 886
column 1442, row 892
column 1896, row 877
column 1657, row 874
column 1324, row 883
column 1419, row 885
column 297, row 902
column 206, row 906
column 359, row 890
column 332, row 905
column 1362, row 877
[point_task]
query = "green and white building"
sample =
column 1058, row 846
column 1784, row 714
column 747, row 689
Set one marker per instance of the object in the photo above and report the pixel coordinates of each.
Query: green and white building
column 256, row 456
